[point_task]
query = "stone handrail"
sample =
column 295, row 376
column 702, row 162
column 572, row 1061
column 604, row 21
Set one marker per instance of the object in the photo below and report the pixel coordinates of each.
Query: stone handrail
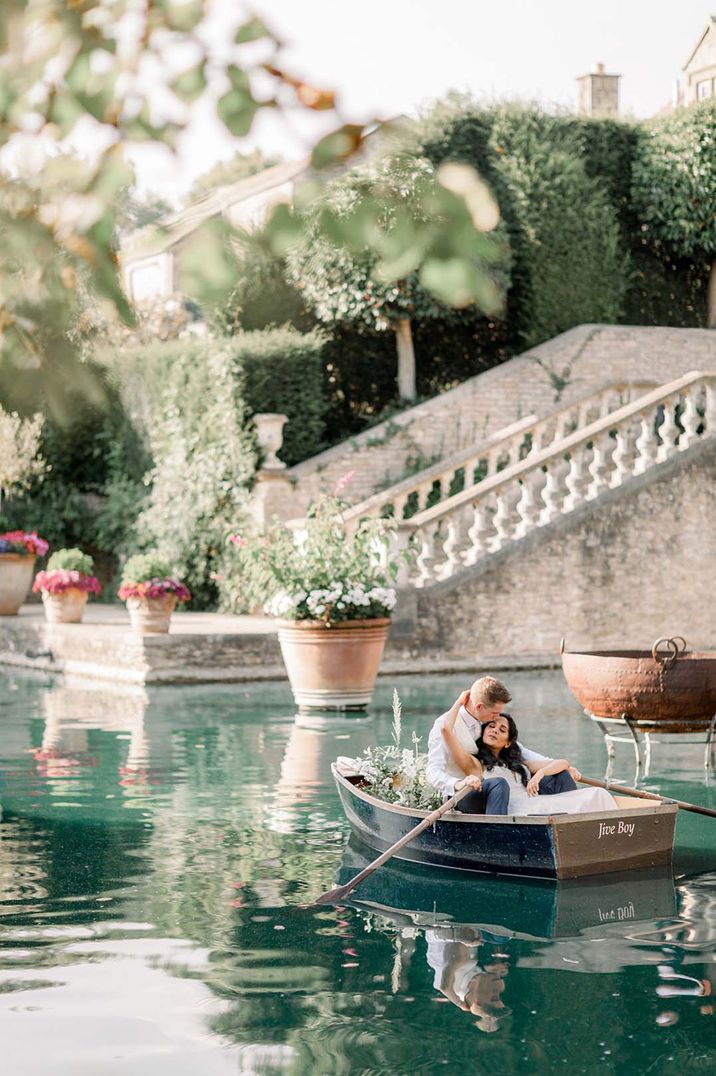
column 553, row 481
column 505, row 448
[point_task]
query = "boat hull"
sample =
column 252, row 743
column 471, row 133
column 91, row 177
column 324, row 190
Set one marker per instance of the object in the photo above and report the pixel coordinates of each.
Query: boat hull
column 552, row 846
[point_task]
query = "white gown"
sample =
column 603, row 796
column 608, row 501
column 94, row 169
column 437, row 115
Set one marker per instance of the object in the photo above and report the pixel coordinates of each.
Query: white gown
column 579, row 801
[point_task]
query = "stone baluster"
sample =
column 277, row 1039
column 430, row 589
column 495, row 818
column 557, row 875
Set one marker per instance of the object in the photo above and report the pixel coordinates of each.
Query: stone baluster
column 646, row 443
column 552, row 493
column 604, row 408
column 470, row 468
column 504, row 518
column 423, row 493
column 514, row 451
column 623, row 457
column 541, row 436
column 478, row 535
column 425, row 562
column 599, row 466
column 668, row 432
column 493, row 458
column 454, row 544
column 399, row 502
column 576, row 478
column 710, row 415
column 530, row 504
column 690, row 419
column 399, row 553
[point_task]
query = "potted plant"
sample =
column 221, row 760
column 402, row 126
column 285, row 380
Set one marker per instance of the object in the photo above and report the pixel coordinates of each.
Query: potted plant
column 150, row 593
column 330, row 592
column 18, row 550
column 66, row 585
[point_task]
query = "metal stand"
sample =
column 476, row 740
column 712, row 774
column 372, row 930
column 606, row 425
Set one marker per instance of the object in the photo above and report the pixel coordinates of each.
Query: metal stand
column 640, row 738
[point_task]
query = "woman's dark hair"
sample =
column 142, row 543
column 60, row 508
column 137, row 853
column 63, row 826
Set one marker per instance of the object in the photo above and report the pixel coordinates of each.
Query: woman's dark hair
column 509, row 756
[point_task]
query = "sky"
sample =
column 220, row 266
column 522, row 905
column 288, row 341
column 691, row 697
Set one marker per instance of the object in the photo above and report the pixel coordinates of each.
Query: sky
column 386, row 57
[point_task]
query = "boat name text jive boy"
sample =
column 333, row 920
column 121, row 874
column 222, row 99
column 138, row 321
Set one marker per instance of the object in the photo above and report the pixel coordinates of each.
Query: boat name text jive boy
column 606, row 830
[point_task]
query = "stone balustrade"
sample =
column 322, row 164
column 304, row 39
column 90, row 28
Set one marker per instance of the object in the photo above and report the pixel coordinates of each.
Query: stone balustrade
column 483, row 460
column 554, row 479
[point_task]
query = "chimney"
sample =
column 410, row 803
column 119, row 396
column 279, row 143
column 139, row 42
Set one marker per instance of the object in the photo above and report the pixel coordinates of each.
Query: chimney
column 598, row 93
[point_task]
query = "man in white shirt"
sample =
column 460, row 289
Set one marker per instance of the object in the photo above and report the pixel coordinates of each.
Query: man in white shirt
column 491, row 794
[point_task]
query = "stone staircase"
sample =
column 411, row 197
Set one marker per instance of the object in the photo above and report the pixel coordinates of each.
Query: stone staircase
column 551, row 481
column 485, row 458
column 572, row 367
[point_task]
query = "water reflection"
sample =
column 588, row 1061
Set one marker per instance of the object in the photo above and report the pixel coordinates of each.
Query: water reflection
column 159, row 852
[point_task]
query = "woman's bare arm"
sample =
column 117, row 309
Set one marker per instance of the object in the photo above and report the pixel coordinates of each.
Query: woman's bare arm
column 464, row 761
column 540, row 770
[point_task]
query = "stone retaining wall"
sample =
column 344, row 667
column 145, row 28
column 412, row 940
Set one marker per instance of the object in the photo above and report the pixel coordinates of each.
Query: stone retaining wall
column 558, row 372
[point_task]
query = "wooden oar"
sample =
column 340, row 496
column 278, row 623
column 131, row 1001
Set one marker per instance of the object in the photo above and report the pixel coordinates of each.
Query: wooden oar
column 334, row 896
column 623, row 790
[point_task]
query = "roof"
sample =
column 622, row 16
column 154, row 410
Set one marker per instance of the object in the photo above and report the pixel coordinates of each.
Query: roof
column 156, row 238
column 170, row 230
column 709, row 26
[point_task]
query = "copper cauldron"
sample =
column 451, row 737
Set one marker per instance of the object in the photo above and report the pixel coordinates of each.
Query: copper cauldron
column 665, row 689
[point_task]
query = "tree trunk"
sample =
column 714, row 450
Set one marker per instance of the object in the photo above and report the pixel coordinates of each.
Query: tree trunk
column 406, row 360
column 711, row 311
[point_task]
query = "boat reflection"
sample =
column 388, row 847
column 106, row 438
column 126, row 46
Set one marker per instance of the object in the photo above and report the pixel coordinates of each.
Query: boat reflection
column 478, row 929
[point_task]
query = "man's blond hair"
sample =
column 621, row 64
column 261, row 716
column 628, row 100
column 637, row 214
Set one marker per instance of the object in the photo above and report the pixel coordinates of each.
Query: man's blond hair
column 489, row 692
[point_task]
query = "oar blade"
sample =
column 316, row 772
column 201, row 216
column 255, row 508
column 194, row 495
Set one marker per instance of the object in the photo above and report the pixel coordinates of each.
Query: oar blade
column 333, row 896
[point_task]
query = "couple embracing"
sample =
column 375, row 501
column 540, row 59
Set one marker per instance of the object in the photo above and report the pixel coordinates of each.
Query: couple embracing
column 475, row 744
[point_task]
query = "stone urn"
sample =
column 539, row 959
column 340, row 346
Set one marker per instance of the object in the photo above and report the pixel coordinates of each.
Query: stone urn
column 16, row 571
column 66, row 607
column 332, row 667
column 151, row 616
column 269, row 433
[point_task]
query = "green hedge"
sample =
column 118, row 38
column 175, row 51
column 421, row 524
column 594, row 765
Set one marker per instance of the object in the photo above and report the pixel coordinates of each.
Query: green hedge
column 660, row 289
column 284, row 372
column 568, row 261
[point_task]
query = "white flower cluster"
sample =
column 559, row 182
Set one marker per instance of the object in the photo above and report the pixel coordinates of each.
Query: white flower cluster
column 282, row 604
column 338, row 596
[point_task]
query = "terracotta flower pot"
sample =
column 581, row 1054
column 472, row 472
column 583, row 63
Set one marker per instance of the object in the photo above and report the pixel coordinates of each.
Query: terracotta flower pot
column 16, row 571
column 332, row 668
column 65, row 607
column 151, row 616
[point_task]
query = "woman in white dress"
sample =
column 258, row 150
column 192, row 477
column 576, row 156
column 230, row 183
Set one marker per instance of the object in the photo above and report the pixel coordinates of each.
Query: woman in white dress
column 498, row 754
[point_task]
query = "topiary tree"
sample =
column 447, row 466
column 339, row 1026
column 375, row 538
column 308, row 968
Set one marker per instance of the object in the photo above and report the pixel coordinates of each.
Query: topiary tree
column 357, row 267
column 674, row 187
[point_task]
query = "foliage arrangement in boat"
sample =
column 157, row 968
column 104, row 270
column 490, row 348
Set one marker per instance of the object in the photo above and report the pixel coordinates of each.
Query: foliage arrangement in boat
column 397, row 774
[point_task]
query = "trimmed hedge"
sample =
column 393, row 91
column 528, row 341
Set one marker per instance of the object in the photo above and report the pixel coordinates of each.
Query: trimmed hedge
column 284, row 371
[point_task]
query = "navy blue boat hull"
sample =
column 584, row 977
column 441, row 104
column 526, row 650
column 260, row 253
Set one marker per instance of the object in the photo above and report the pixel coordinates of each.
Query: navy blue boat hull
column 539, row 846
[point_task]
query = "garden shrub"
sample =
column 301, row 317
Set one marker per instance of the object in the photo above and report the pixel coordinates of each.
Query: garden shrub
column 568, row 262
column 283, row 372
column 187, row 398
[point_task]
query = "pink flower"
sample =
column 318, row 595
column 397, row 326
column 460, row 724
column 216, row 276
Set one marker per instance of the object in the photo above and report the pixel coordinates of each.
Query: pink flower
column 237, row 540
column 343, row 481
column 154, row 588
column 24, row 542
column 62, row 579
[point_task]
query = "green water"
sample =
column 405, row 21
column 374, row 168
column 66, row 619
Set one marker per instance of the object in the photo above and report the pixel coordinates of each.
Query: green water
column 159, row 853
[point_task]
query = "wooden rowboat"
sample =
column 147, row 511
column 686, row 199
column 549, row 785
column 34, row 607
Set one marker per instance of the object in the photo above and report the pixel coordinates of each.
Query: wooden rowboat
column 540, row 846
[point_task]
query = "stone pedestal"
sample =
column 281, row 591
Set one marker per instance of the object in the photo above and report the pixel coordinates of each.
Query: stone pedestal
column 272, row 499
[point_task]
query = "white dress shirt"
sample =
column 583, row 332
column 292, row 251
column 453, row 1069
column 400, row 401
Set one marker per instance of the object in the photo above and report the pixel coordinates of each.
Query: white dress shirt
column 442, row 771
